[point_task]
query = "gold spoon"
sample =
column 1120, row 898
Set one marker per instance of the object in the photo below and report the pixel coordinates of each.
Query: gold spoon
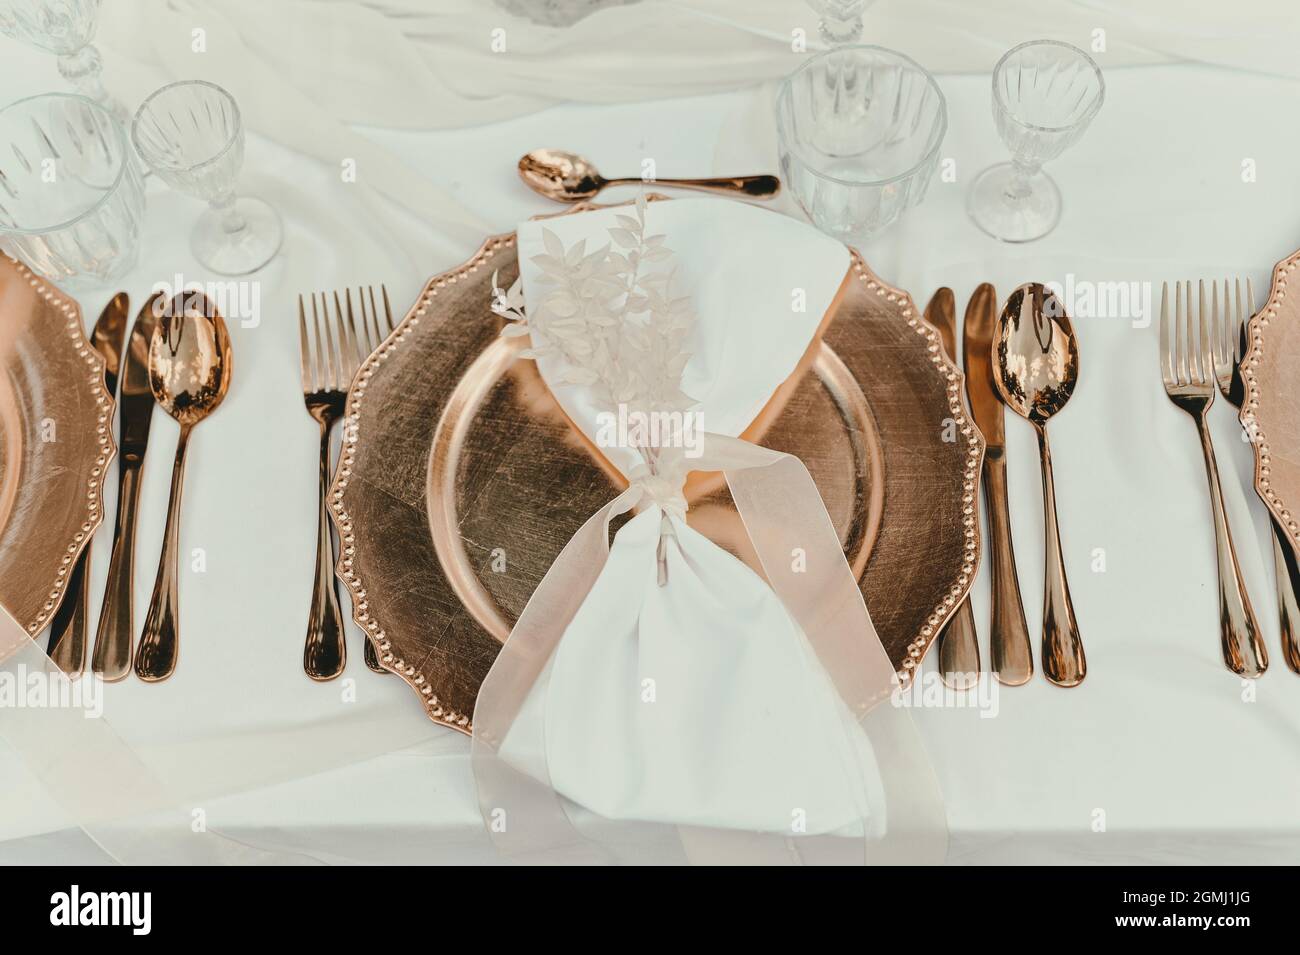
column 567, row 177
column 1035, row 367
column 189, row 374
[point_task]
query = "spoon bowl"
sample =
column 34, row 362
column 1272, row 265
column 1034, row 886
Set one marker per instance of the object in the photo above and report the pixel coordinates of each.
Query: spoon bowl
column 189, row 359
column 1035, row 369
column 189, row 375
column 560, row 175
column 1035, row 354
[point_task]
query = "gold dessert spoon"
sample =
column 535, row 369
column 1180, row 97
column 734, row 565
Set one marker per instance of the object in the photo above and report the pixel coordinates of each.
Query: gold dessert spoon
column 1035, row 368
column 568, row 177
column 189, row 375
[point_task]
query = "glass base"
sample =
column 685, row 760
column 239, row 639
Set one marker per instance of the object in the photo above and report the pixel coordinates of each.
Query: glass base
column 993, row 207
column 244, row 250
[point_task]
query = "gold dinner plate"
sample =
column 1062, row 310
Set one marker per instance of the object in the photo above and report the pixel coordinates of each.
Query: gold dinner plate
column 55, row 442
column 461, row 479
column 1270, row 411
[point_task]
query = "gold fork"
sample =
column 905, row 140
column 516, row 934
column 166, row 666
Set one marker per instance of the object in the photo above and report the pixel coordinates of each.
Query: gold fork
column 1187, row 367
column 1229, row 350
column 332, row 351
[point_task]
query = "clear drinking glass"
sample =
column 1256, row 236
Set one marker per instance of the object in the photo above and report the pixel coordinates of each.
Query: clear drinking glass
column 191, row 136
column 65, row 28
column 860, row 129
column 1045, row 93
column 71, row 200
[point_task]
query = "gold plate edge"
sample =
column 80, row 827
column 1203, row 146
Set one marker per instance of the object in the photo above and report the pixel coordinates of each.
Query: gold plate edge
column 95, row 496
column 1251, row 402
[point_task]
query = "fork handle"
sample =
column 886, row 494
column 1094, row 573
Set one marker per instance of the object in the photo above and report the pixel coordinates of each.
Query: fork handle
column 324, row 654
column 1243, row 649
column 1286, row 568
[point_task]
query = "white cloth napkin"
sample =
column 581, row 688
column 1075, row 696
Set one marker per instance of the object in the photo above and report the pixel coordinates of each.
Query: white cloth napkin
column 700, row 702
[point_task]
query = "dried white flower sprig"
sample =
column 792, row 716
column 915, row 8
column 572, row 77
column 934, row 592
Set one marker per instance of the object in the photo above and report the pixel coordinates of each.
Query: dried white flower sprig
column 609, row 316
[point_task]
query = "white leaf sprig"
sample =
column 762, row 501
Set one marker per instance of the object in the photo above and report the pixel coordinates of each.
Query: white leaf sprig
column 609, row 316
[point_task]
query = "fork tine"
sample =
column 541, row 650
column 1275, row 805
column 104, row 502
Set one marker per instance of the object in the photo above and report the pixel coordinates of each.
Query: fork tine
column 1206, row 350
column 359, row 346
column 1218, row 329
column 365, row 320
column 374, row 314
column 1166, row 356
column 347, row 349
column 321, row 381
column 336, row 372
column 388, row 309
column 1179, row 334
column 304, row 348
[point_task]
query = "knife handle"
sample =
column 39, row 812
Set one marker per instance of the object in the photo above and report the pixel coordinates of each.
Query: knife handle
column 959, row 649
column 1013, row 659
column 113, row 639
column 1286, row 567
column 67, row 646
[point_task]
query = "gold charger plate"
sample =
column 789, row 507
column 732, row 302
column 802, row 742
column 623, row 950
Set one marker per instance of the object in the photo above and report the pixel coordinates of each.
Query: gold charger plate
column 1270, row 411
column 55, row 442
column 460, row 478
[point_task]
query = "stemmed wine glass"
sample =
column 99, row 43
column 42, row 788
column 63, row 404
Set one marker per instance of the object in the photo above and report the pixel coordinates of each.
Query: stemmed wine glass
column 841, row 20
column 1045, row 93
column 65, row 28
column 191, row 136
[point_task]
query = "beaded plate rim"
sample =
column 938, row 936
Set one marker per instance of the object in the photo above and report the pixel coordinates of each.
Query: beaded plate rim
column 950, row 373
column 1253, row 402
column 69, row 308
column 955, row 389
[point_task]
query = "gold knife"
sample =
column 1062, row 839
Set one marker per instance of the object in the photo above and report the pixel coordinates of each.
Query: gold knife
column 113, row 641
column 959, row 648
column 1013, row 660
column 67, row 646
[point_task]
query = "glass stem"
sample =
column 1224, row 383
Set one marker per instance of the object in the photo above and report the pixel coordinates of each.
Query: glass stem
column 82, row 69
column 1021, row 186
column 231, row 220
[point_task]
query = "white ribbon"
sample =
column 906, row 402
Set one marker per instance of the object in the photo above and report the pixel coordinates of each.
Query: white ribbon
column 783, row 513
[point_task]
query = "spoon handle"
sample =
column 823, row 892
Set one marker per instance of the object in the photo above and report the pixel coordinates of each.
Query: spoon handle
column 1063, row 660
column 1243, row 649
column 155, row 658
column 755, row 187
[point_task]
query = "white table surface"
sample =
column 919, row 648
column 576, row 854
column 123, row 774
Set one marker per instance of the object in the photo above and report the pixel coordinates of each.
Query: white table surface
column 1162, row 749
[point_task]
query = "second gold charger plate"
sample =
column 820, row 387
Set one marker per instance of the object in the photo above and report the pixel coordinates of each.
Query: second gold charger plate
column 56, row 440
column 461, row 480
column 1271, row 408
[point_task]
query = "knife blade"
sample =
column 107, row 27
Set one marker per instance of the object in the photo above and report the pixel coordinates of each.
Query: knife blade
column 67, row 646
column 1012, row 658
column 977, row 337
column 959, row 649
column 113, row 639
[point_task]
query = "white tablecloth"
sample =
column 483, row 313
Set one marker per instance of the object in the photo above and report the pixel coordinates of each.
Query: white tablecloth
column 1161, row 755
